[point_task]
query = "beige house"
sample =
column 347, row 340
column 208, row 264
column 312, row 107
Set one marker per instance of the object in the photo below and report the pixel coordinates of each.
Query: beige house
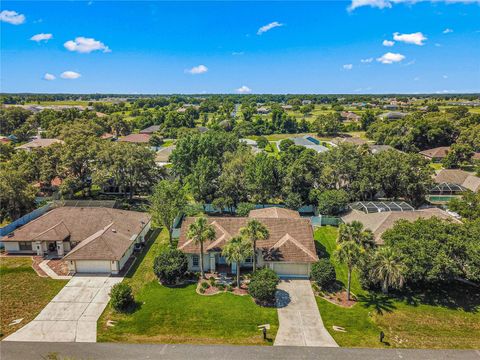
column 92, row 239
column 38, row 143
column 289, row 249
column 458, row 177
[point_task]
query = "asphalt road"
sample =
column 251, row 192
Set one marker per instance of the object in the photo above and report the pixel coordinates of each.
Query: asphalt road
column 91, row 351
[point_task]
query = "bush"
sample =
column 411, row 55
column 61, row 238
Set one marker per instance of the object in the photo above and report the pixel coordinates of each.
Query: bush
column 202, row 291
column 263, row 285
column 204, row 285
column 243, row 209
column 221, row 287
column 170, row 266
column 323, row 273
column 285, row 144
column 212, row 281
column 229, row 288
column 262, row 142
column 121, row 297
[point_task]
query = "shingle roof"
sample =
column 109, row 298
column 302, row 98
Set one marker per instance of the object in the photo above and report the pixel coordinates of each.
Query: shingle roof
column 438, row 152
column 136, row 138
column 379, row 222
column 290, row 239
column 80, row 224
column 459, row 177
column 274, row 212
column 349, row 140
column 36, row 143
column 150, row 129
column 163, row 155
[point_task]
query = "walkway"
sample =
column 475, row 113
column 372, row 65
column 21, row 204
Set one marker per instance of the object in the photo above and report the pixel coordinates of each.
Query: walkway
column 44, row 266
column 72, row 314
column 300, row 320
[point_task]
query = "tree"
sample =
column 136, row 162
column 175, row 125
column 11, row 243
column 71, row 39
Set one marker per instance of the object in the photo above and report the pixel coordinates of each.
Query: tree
column 166, row 203
column 263, row 285
column 285, row 144
column 367, row 119
column 468, row 206
column 121, row 297
column 262, row 177
column 170, row 265
column 156, row 140
column 200, row 231
column 349, row 253
column 262, row 142
column 388, row 268
column 253, row 232
column 328, row 124
column 332, row 202
column 458, row 155
column 323, row 273
column 236, row 251
column 355, row 232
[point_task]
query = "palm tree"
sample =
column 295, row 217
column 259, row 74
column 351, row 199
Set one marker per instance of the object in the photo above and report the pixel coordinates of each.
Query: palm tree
column 349, row 253
column 237, row 250
column 200, row 231
column 354, row 231
column 388, row 269
column 253, row 232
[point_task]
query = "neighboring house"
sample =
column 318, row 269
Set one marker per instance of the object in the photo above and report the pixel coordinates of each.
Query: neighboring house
column 390, row 107
column 162, row 157
column 375, row 149
column 287, row 107
column 439, row 153
column 349, row 140
column 451, row 181
column 4, row 140
column 150, row 130
column 38, row 143
column 289, row 249
column 306, row 102
column 310, row 143
column 90, row 239
column 379, row 222
column 253, row 145
column 107, row 136
column 136, row 138
column 392, row 115
column 263, row 110
column 350, row 116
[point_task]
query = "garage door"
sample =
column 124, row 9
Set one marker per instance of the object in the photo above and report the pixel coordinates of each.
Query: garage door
column 291, row 269
column 92, row 266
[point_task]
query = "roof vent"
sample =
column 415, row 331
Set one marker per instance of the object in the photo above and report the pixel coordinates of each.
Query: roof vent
column 114, row 231
column 11, row 234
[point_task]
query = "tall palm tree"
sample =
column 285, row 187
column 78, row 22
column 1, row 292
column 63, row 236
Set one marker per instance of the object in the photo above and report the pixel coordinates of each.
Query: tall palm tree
column 200, row 231
column 349, row 253
column 253, row 232
column 237, row 250
column 388, row 269
column 354, row 231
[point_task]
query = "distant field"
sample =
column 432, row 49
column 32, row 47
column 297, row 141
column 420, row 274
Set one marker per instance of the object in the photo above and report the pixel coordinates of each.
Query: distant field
column 66, row 102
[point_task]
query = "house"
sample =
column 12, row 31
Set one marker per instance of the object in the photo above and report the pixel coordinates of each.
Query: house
column 162, row 157
column 150, row 130
column 253, row 145
column 306, row 102
column 439, row 153
column 350, row 116
column 353, row 140
column 38, row 143
column 392, row 115
column 452, row 181
column 309, row 142
column 136, row 138
column 379, row 222
column 90, row 239
column 263, row 110
column 390, row 107
column 4, row 140
column 375, row 149
column 287, row 107
column 289, row 249
column 107, row 136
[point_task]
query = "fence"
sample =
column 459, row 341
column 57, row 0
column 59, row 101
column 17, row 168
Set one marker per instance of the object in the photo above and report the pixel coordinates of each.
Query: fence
column 25, row 219
column 323, row 220
column 306, row 209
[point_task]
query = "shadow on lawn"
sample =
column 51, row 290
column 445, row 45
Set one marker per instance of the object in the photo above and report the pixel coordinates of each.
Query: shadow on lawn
column 379, row 302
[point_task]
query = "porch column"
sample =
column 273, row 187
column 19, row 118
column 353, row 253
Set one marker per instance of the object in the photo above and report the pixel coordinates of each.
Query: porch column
column 234, row 267
column 38, row 247
column 60, row 249
column 212, row 262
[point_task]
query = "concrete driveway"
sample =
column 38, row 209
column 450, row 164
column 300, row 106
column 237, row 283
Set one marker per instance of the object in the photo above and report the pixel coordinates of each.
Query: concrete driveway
column 72, row 314
column 300, row 320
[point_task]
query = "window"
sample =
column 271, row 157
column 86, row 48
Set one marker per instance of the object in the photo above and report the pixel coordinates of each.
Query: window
column 249, row 260
column 195, row 260
column 25, row 245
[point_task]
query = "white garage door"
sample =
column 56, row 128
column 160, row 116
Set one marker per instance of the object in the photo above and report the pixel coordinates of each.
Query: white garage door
column 284, row 269
column 93, row 266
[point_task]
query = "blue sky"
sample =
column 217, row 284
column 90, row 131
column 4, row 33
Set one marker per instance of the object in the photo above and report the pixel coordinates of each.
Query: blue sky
column 218, row 47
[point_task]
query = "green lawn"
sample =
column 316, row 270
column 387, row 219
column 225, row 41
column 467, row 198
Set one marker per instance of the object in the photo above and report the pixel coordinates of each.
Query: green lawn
column 180, row 315
column 442, row 318
column 23, row 294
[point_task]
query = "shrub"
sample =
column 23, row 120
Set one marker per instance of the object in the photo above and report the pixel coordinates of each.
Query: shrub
column 170, row 266
column 262, row 142
column 229, row 288
column 212, row 281
column 285, row 144
column 121, row 297
column 205, row 285
column 221, row 287
column 263, row 285
column 243, row 209
column 323, row 273
column 202, row 291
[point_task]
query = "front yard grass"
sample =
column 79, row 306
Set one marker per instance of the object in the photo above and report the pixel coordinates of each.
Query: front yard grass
column 23, row 294
column 180, row 315
column 437, row 319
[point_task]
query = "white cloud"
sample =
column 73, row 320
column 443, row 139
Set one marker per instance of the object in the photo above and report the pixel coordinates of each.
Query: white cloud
column 41, row 37
column 85, row 45
column 388, row 43
column 382, row 4
column 70, row 75
column 438, row 45
column 49, row 77
column 348, row 66
column 447, row 31
column 238, row 53
column 12, row 17
column 268, row 27
column 390, row 58
column 414, row 38
column 200, row 69
column 243, row 90
column 366, row 61
column 445, row 76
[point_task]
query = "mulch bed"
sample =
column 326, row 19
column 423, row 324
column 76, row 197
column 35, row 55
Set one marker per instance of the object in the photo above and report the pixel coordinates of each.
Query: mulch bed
column 340, row 298
column 243, row 290
column 36, row 260
column 58, row 266
column 212, row 290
